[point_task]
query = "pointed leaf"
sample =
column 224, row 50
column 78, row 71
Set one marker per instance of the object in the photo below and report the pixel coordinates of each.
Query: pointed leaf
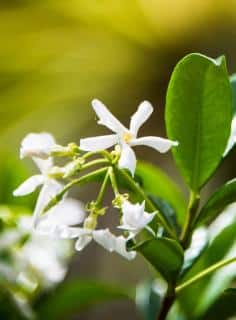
column 224, row 196
column 223, row 308
column 198, row 115
column 165, row 255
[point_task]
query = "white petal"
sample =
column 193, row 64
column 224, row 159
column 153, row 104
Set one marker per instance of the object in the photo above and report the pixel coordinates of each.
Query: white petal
column 144, row 111
column 44, row 165
column 37, row 145
column 68, row 212
column 29, row 185
column 82, row 242
column 105, row 238
column 49, row 190
column 127, row 158
column 106, row 118
column 134, row 217
column 160, row 144
column 121, row 248
column 98, row 143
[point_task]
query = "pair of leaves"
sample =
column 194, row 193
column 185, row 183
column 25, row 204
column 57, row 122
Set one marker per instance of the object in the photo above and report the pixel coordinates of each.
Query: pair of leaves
column 198, row 116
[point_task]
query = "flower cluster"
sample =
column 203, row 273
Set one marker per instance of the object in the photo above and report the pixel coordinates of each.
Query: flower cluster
column 55, row 214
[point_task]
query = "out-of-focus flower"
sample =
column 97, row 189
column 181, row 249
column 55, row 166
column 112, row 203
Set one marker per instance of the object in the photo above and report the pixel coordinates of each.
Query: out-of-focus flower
column 134, row 217
column 125, row 138
column 37, row 145
column 68, row 212
column 50, row 187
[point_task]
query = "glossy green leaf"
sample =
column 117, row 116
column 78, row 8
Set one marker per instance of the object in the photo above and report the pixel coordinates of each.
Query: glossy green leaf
column 223, row 308
column 232, row 138
column 74, row 296
column 197, row 247
column 167, row 211
column 198, row 115
column 209, row 288
column 224, row 196
column 164, row 254
column 157, row 183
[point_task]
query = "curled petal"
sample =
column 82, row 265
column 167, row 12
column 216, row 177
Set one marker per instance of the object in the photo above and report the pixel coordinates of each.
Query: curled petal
column 134, row 217
column 121, row 248
column 83, row 241
column 98, row 143
column 144, row 111
column 29, row 185
column 106, row 118
column 49, row 190
column 160, row 144
column 37, row 145
column 127, row 158
column 105, row 238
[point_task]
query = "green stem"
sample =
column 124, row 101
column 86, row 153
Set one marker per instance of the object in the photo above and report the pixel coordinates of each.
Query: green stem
column 191, row 213
column 103, row 153
column 150, row 206
column 94, row 163
column 103, row 189
column 113, row 181
column 204, row 273
column 80, row 181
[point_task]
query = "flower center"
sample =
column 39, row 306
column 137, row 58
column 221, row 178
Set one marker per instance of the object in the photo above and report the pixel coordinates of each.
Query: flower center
column 127, row 137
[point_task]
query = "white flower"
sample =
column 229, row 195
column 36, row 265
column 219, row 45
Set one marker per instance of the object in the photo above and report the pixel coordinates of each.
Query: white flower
column 50, row 187
column 126, row 138
column 37, row 145
column 103, row 237
column 66, row 213
column 134, row 217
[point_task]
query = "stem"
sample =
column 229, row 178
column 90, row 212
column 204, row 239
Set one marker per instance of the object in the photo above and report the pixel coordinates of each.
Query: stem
column 150, row 206
column 191, row 213
column 82, row 180
column 204, row 273
column 113, row 181
column 94, row 163
column 103, row 189
column 103, row 153
column 167, row 303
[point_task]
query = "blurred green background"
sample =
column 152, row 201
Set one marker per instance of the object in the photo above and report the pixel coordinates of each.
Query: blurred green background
column 56, row 56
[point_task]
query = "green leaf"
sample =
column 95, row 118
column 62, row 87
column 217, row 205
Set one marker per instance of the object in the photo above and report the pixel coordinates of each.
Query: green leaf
column 77, row 295
column 148, row 300
column 165, row 255
column 157, row 183
column 209, row 288
column 167, row 211
column 197, row 248
column 223, row 308
column 198, row 115
column 224, row 196
column 232, row 138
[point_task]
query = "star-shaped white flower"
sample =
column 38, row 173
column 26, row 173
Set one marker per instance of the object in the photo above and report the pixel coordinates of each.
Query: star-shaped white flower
column 126, row 138
column 134, row 217
column 102, row 236
column 37, row 145
column 50, row 187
